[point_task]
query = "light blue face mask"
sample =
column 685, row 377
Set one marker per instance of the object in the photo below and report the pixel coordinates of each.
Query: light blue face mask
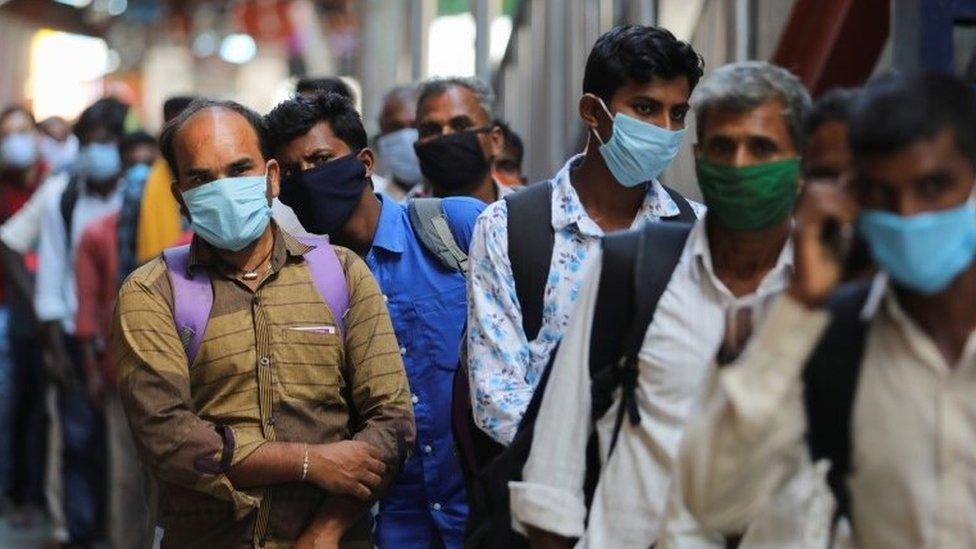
column 229, row 213
column 98, row 162
column 18, row 150
column 395, row 149
column 923, row 252
column 637, row 152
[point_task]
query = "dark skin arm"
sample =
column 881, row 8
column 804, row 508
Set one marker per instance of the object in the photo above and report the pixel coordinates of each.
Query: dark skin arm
column 14, row 269
column 349, row 467
column 56, row 360
column 541, row 539
column 335, row 516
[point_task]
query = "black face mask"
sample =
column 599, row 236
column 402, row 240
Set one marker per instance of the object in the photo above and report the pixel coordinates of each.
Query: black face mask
column 325, row 196
column 453, row 163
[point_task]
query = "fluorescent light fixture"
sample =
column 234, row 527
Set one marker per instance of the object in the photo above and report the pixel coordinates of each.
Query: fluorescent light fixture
column 238, row 48
column 75, row 3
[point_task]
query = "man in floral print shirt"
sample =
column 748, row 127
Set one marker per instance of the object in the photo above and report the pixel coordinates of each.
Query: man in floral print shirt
column 636, row 87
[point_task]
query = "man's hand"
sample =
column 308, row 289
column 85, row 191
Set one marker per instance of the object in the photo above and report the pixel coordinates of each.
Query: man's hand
column 349, row 467
column 334, row 517
column 824, row 221
column 59, row 367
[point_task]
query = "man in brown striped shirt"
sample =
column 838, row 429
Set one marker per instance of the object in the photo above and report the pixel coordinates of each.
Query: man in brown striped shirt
column 284, row 426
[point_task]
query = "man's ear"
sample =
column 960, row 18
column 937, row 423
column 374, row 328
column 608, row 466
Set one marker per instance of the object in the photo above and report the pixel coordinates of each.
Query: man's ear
column 368, row 158
column 595, row 117
column 496, row 140
column 274, row 178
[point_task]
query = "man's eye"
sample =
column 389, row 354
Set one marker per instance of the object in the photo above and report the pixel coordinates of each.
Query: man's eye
column 679, row 115
column 644, row 109
column 428, row 130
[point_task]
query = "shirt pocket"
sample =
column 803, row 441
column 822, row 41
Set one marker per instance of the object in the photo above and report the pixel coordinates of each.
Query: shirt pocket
column 441, row 320
column 308, row 361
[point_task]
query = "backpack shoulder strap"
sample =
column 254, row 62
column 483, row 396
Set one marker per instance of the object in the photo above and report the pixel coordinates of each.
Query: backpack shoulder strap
column 430, row 224
column 830, row 384
column 192, row 299
column 329, row 278
column 530, row 241
column 69, row 199
column 636, row 268
column 686, row 214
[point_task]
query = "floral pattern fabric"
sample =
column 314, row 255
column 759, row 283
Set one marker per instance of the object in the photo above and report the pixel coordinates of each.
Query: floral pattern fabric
column 504, row 366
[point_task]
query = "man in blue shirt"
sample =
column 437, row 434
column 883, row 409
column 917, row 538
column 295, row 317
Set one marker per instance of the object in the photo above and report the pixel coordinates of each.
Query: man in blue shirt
column 321, row 145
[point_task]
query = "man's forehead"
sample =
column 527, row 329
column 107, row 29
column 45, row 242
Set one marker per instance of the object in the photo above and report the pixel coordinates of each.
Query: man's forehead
column 770, row 116
column 217, row 128
column 454, row 101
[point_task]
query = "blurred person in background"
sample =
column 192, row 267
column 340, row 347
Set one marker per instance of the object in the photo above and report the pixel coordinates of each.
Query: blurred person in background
column 59, row 147
column 97, row 277
column 248, row 460
column 396, row 159
column 158, row 222
column 506, row 167
column 22, row 169
column 875, row 376
column 456, row 139
column 92, row 192
column 827, row 156
column 321, row 145
column 323, row 84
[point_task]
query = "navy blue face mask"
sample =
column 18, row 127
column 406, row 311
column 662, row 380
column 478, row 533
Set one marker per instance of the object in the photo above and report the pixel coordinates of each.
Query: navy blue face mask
column 325, row 196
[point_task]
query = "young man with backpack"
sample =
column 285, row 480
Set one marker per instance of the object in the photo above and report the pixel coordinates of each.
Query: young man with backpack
column 876, row 377
column 418, row 254
column 259, row 372
column 650, row 320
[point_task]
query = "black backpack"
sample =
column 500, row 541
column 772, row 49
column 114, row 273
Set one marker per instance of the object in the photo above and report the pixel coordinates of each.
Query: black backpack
column 830, row 379
column 648, row 255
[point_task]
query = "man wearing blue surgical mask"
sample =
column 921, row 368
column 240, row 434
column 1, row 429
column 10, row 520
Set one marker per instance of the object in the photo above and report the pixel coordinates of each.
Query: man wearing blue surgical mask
column 259, row 372
column 90, row 193
column 529, row 251
column 396, row 160
column 877, row 377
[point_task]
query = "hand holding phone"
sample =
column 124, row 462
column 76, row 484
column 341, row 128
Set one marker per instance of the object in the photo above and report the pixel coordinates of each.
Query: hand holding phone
column 822, row 236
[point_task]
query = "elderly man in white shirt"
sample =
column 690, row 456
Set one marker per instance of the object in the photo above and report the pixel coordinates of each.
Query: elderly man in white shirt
column 889, row 399
column 734, row 262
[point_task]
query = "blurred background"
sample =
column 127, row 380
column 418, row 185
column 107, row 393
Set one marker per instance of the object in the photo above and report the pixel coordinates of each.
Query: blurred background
column 59, row 55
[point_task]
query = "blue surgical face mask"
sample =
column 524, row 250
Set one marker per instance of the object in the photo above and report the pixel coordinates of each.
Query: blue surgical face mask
column 59, row 155
column 18, row 150
column 137, row 173
column 637, row 152
column 922, row 252
column 229, row 213
column 98, row 162
column 395, row 150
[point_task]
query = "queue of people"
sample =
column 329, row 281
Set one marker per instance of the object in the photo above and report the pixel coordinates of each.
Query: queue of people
column 274, row 331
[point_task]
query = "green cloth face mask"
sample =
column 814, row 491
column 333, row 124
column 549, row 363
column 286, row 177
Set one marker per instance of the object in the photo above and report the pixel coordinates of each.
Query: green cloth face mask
column 749, row 198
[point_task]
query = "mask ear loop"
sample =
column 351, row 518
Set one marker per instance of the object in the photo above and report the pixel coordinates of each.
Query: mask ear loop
column 609, row 115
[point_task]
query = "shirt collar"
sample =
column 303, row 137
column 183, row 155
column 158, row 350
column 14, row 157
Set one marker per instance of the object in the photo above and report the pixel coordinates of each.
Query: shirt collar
column 389, row 230
column 567, row 209
column 203, row 254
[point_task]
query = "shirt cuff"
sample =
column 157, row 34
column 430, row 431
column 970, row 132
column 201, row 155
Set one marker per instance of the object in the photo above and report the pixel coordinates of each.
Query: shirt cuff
column 546, row 508
column 761, row 379
column 49, row 309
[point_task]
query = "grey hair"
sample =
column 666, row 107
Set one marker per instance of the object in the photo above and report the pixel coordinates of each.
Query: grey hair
column 406, row 93
column 438, row 85
column 742, row 87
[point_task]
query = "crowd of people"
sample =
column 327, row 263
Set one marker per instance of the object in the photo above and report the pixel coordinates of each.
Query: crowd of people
column 276, row 331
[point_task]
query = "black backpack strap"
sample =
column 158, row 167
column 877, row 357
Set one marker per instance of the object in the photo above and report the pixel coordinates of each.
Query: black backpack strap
column 430, row 224
column 830, row 384
column 637, row 266
column 530, row 241
column 686, row 214
column 69, row 199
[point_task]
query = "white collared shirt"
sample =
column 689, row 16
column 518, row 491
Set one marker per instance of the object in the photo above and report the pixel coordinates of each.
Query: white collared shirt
column 505, row 366
column 913, row 427
column 675, row 362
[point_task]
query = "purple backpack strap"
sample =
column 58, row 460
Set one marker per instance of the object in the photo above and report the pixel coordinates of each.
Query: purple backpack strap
column 329, row 278
column 192, row 299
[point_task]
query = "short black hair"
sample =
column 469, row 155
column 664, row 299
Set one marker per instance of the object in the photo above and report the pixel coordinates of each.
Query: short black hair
column 833, row 106
column 167, row 140
column 324, row 84
column 108, row 113
column 512, row 140
column 637, row 53
column 173, row 106
column 134, row 139
column 293, row 118
column 10, row 110
column 895, row 111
